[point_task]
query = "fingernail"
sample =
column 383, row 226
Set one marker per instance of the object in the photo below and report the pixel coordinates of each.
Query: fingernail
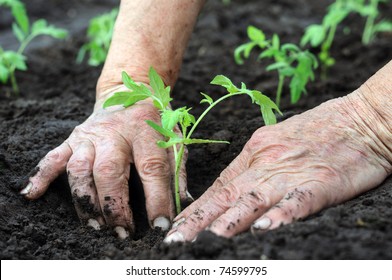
column 27, row 189
column 262, row 224
column 121, row 232
column 189, row 196
column 94, row 224
column 179, row 222
column 161, row 222
column 174, row 237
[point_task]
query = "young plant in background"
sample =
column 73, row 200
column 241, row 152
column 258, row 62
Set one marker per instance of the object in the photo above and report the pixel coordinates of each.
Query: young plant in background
column 370, row 10
column 322, row 35
column 289, row 61
column 99, row 33
column 160, row 94
column 10, row 61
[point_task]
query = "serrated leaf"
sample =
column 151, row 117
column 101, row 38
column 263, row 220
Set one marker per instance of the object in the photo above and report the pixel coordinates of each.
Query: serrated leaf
column 266, row 107
column 161, row 130
column 161, row 93
column 206, row 99
column 170, row 118
column 225, row 82
column 20, row 15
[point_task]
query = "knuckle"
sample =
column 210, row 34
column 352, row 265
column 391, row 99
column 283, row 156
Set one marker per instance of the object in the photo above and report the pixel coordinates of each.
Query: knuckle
column 154, row 166
column 79, row 167
column 227, row 195
column 56, row 156
column 145, row 112
column 258, row 198
column 108, row 168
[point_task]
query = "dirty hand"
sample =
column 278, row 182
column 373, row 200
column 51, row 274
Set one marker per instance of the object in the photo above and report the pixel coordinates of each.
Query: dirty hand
column 293, row 169
column 97, row 157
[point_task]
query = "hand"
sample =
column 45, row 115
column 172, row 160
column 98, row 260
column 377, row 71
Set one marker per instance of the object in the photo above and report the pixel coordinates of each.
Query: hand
column 97, row 157
column 289, row 171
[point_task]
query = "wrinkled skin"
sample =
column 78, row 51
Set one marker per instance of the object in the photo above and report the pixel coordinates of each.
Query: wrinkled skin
column 97, row 157
column 290, row 170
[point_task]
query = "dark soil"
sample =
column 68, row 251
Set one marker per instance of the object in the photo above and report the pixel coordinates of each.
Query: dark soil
column 57, row 94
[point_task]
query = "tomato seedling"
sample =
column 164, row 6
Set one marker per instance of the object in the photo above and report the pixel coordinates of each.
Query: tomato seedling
column 99, row 33
column 289, row 61
column 370, row 10
column 160, row 94
column 10, row 61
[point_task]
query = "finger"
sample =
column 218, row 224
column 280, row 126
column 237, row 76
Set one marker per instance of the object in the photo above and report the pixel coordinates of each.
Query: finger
column 48, row 169
column 111, row 173
column 81, row 181
column 234, row 169
column 296, row 204
column 246, row 210
column 219, row 202
column 152, row 164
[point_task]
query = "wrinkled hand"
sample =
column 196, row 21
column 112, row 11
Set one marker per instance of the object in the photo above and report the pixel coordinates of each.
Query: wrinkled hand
column 287, row 172
column 97, row 157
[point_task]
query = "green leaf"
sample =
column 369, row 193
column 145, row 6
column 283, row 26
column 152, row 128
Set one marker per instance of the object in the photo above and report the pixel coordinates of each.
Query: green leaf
column 383, row 26
column 291, row 47
column 161, row 130
column 20, row 15
column 314, row 34
column 125, row 98
column 41, row 27
column 171, row 142
column 277, row 65
column 19, row 34
column 266, row 107
column 225, row 82
column 161, row 93
column 243, row 50
column 255, row 34
column 4, row 74
column 15, row 59
column 206, row 99
column 170, row 118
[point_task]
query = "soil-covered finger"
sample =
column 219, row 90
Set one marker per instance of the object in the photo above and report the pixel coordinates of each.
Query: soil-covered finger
column 47, row 170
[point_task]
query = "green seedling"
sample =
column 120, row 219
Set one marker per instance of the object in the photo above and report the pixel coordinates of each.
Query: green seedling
column 322, row 35
column 10, row 60
column 160, row 94
column 370, row 10
column 289, row 61
column 99, row 33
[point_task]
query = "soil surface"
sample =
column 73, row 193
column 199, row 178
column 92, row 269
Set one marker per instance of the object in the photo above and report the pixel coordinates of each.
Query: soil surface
column 57, row 94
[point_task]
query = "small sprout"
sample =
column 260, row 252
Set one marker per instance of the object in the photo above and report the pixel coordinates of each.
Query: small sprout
column 99, row 33
column 322, row 35
column 10, row 61
column 160, row 94
column 289, row 61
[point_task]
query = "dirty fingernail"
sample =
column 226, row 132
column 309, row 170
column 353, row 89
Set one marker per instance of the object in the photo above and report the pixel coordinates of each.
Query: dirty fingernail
column 121, row 232
column 94, row 224
column 161, row 222
column 179, row 222
column 262, row 224
column 174, row 237
column 27, row 189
